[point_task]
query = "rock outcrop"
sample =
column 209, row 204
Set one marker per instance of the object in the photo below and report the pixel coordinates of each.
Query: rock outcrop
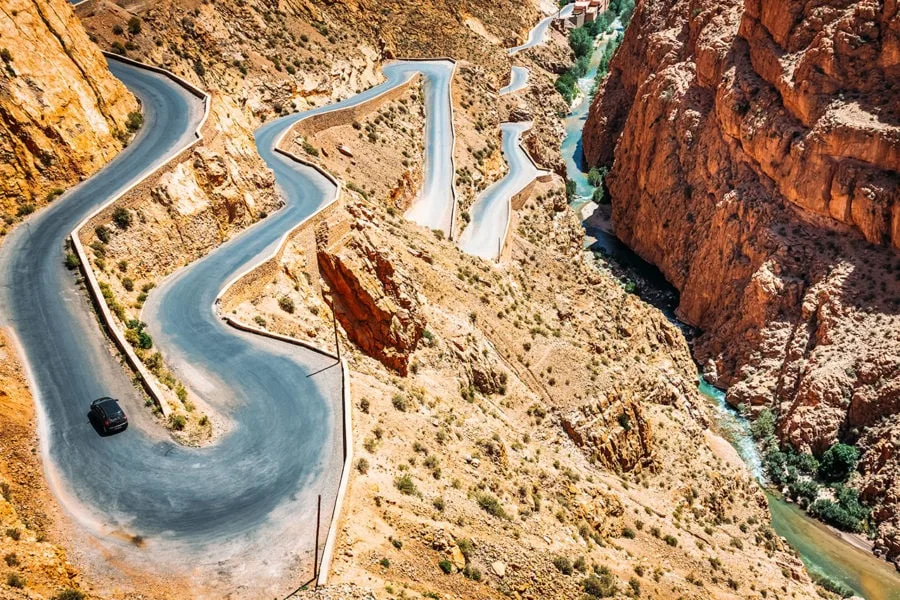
column 614, row 431
column 755, row 158
column 377, row 304
column 62, row 114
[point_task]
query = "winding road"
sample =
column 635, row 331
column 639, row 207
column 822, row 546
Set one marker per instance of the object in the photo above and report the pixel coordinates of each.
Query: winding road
column 491, row 210
column 518, row 79
column 538, row 34
column 248, row 501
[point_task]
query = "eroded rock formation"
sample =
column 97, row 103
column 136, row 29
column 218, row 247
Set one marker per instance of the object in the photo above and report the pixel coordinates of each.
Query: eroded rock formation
column 755, row 154
column 61, row 111
column 378, row 305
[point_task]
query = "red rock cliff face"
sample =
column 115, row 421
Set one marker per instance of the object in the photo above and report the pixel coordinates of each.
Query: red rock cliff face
column 755, row 152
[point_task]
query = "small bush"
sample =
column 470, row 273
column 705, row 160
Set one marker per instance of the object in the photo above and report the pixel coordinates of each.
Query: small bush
column 446, row 566
column 72, row 261
column 13, row 533
column 362, row 465
column 69, row 594
column 11, row 559
column 471, row 572
column 399, row 402
column 134, row 25
column 14, row 580
column 671, row 540
column 117, row 29
column 177, row 422
column 286, row 304
column 628, row 532
column 102, row 233
column 121, row 217
column 563, row 565
column 310, row 149
column 491, row 505
column 54, row 194
column 135, row 121
column 406, row 485
column 602, row 585
column 128, row 284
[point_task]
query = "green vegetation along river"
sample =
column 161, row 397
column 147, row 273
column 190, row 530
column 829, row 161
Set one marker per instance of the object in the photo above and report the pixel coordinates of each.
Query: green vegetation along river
column 823, row 550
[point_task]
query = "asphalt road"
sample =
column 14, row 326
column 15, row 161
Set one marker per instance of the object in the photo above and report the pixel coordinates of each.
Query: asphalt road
column 538, row 33
column 490, row 211
column 518, row 78
column 250, row 497
column 283, row 445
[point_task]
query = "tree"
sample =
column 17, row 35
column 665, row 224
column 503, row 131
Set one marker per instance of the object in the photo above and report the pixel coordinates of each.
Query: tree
column 581, row 42
column 838, row 462
column 764, row 425
column 571, row 186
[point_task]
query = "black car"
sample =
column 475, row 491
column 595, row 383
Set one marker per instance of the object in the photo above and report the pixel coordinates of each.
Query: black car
column 108, row 415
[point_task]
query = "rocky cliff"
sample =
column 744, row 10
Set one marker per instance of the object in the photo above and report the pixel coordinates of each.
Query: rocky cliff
column 62, row 114
column 755, row 154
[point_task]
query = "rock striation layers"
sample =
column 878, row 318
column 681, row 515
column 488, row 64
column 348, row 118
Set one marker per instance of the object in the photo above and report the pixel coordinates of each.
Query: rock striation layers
column 62, row 114
column 755, row 158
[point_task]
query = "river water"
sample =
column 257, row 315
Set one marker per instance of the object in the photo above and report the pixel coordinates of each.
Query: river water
column 822, row 550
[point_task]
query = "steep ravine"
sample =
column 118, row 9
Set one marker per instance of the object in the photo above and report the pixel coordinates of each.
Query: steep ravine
column 755, row 159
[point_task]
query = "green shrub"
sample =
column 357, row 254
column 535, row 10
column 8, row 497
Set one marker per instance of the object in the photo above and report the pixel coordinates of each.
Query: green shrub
column 399, row 402
column 406, row 485
column 177, row 422
column 563, row 564
column 72, row 262
column 764, row 426
column 602, row 585
column 128, row 284
column 135, row 121
column 14, row 580
column 286, row 304
column 69, row 594
column 134, row 25
column 11, row 559
column 122, row 217
column 491, row 505
column 102, row 233
column 581, row 42
column 446, row 566
column 838, row 462
column 54, row 194
column 362, row 465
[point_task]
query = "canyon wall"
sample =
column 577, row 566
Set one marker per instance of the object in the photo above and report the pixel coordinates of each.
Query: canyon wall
column 755, row 158
column 62, row 114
